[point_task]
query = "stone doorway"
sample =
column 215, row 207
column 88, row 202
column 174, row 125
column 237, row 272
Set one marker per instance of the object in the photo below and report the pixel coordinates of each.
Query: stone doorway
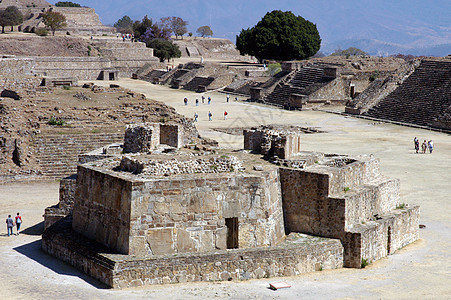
column 232, row 233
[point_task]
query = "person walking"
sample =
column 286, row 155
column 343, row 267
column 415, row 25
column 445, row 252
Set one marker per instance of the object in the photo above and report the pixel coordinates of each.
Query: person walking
column 197, row 102
column 416, row 144
column 196, row 116
column 209, row 99
column 209, row 115
column 185, row 100
column 18, row 222
column 9, row 225
column 225, row 115
column 424, row 146
column 228, row 97
column 431, row 146
column 203, row 99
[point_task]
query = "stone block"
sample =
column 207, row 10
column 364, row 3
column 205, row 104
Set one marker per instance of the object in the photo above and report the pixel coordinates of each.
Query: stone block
column 161, row 241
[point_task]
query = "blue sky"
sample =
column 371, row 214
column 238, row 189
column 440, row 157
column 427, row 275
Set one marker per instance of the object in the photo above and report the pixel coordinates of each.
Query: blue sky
column 384, row 26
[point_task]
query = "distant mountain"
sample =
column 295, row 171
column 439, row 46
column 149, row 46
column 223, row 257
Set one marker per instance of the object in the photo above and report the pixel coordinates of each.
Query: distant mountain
column 381, row 48
column 377, row 27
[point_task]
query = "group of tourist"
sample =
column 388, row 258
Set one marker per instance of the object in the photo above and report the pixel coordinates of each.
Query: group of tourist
column 126, row 36
column 424, row 146
column 10, row 222
column 210, row 115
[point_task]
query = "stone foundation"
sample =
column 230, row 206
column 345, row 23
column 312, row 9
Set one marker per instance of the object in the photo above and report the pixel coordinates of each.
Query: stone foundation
column 297, row 255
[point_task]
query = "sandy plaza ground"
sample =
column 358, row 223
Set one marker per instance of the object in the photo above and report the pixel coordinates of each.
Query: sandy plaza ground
column 419, row 271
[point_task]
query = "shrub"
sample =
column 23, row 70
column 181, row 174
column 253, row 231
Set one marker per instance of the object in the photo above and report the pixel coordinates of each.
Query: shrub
column 273, row 69
column 55, row 121
column 364, row 263
column 346, row 189
column 42, row 32
column 401, row 206
column 66, row 87
column 66, row 4
column 374, row 76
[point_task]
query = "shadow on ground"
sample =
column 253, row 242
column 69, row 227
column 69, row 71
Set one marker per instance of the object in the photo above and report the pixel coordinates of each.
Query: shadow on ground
column 34, row 251
column 36, row 229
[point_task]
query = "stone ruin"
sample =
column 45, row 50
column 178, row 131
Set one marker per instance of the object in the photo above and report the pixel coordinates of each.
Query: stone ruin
column 159, row 216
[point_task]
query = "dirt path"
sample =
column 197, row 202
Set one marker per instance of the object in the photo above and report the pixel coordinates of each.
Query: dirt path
column 421, row 270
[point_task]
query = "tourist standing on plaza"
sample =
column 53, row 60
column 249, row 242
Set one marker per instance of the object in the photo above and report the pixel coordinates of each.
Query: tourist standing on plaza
column 416, row 143
column 196, row 116
column 424, row 146
column 18, row 222
column 228, row 97
column 209, row 115
column 9, row 225
column 197, row 102
column 185, row 100
column 225, row 115
column 431, row 146
column 203, row 99
column 209, row 99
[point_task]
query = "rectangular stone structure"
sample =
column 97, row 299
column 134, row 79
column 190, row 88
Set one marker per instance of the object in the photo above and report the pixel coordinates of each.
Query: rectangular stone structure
column 180, row 214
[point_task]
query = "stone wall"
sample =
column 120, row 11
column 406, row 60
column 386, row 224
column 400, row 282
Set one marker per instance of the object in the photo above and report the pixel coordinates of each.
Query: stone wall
column 141, row 138
column 147, row 136
column 82, row 68
column 299, row 254
column 174, row 166
column 171, row 135
column 272, row 142
column 178, row 214
column 66, row 202
column 373, row 240
column 16, row 66
column 347, row 198
column 102, row 208
column 183, row 214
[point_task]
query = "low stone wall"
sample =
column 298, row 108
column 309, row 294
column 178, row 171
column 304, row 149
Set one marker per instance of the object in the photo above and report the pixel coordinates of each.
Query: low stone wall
column 82, row 68
column 16, row 66
column 177, row 167
column 297, row 255
column 374, row 240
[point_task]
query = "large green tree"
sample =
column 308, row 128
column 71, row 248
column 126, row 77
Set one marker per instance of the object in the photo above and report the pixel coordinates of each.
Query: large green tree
column 164, row 49
column 140, row 27
column 54, row 20
column 11, row 16
column 124, row 25
column 280, row 36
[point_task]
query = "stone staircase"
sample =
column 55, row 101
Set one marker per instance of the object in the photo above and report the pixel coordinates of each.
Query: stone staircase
column 57, row 154
column 194, row 84
column 126, row 56
column 421, row 99
column 303, row 82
